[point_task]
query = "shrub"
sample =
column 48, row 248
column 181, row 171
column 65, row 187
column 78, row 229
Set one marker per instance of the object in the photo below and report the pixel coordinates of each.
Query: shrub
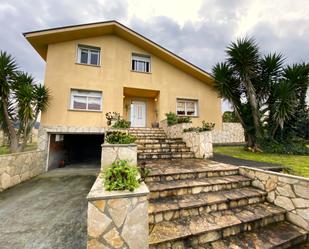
column 117, row 137
column 205, row 127
column 122, row 123
column 229, row 117
column 171, row 118
column 121, row 176
column 112, row 116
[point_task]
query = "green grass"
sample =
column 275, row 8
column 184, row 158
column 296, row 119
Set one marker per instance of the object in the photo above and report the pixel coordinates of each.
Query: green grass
column 297, row 165
column 5, row 149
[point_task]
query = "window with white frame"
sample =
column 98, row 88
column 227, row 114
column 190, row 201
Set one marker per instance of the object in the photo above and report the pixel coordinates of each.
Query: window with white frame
column 186, row 107
column 140, row 63
column 86, row 100
column 88, row 55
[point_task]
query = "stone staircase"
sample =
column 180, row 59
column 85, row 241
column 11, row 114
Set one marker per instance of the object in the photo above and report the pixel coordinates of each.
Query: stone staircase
column 199, row 204
column 153, row 144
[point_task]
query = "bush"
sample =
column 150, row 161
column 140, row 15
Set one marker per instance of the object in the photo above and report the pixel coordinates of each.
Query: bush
column 229, row 117
column 205, row 127
column 117, row 137
column 122, row 123
column 112, row 116
column 121, row 176
column 173, row 119
column 295, row 147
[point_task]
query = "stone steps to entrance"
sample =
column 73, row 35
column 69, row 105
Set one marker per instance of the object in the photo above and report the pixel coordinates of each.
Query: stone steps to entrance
column 195, row 186
column 164, row 155
column 280, row 235
column 158, row 140
column 178, row 144
column 172, row 208
column 191, row 232
column 170, row 170
column 163, row 150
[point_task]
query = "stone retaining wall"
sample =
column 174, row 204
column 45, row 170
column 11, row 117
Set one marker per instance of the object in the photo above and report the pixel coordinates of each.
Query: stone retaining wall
column 117, row 219
column 286, row 191
column 174, row 131
column 200, row 143
column 231, row 133
column 113, row 152
column 18, row 167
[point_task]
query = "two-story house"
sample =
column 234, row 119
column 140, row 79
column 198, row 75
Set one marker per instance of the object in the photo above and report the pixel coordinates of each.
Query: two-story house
column 96, row 68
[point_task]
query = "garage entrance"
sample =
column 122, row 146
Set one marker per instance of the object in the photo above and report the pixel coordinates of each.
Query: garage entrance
column 78, row 150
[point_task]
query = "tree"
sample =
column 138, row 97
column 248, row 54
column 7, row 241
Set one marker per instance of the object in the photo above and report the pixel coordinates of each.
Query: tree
column 21, row 102
column 264, row 94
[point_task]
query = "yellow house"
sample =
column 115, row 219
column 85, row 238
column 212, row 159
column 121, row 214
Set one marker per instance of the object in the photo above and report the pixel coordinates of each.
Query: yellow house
column 96, row 68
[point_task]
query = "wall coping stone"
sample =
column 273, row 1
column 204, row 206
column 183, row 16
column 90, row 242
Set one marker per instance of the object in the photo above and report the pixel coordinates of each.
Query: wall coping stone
column 118, row 145
column 23, row 152
column 98, row 192
column 277, row 173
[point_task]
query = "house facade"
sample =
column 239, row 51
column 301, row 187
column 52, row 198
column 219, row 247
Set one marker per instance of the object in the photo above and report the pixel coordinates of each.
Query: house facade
column 105, row 67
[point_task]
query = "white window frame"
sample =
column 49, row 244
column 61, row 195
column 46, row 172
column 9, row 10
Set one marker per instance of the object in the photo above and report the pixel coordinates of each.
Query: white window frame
column 89, row 51
column 141, row 58
column 75, row 93
column 195, row 101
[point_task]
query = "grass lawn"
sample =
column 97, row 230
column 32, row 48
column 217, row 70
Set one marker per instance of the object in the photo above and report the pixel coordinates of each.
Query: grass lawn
column 297, row 165
column 5, row 150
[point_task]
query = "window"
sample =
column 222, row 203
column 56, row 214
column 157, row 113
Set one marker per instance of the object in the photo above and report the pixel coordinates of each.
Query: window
column 88, row 55
column 141, row 63
column 86, row 100
column 186, row 107
column 59, row 138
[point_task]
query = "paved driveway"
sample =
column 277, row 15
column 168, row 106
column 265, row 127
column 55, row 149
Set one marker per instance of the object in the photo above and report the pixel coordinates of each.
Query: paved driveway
column 48, row 211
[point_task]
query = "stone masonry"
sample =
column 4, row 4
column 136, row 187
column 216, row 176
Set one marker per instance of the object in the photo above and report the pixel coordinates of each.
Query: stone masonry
column 117, row 219
column 18, row 167
column 286, row 191
column 200, row 143
column 113, row 152
column 231, row 133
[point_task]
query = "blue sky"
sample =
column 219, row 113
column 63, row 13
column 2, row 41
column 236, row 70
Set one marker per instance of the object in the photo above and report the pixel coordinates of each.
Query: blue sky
column 197, row 30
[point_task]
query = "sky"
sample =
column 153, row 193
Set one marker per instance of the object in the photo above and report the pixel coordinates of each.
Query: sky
column 197, row 30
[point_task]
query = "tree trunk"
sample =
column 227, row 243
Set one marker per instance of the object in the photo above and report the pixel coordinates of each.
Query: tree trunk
column 28, row 128
column 14, row 146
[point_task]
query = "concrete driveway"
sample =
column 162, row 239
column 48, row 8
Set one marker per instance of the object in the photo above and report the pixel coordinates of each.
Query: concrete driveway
column 48, row 211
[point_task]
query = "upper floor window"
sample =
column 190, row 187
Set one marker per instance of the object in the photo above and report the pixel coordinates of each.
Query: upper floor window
column 86, row 100
column 186, row 107
column 141, row 63
column 88, row 55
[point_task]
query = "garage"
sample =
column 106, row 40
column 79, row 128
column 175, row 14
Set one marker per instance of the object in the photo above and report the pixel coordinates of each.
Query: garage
column 74, row 150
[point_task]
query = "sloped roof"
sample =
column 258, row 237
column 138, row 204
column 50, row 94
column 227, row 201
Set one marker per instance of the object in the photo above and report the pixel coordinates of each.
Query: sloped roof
column 41, row 38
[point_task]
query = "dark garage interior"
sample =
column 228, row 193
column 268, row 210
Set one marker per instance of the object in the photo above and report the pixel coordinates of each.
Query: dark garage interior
column 75, row 149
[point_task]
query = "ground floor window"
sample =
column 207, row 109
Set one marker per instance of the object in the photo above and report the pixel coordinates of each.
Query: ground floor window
column 186, row 107
column 86, row 100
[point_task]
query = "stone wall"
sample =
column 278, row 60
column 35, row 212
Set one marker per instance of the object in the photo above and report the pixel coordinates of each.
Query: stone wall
column 117, row 219
column 231, row 133
column 286, row 191
column 174, row 131
column 200, row 143
column 113, row 152
column 18, row 167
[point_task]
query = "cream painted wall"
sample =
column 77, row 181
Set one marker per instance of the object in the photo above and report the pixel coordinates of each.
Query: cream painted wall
column 63, row 73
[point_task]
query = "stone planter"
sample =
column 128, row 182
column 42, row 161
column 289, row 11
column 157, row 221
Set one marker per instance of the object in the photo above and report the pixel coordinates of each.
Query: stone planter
column 174, row 131
column 117, row 219
column 113, row 152
column 200, row 143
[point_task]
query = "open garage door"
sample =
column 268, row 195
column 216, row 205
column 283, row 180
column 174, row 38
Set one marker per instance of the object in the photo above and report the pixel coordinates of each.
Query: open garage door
column 82, row 150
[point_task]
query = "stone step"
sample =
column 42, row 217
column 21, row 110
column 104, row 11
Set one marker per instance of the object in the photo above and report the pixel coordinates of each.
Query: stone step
column 164, row 155
column 163, row 150
column 145, row 129
column 170, row 170
column 195, row 186
column 147, row 132
column 172, row 208
column 149, row 136
column 158, row 141
column 278, row 235
column 177, row 144
column 190, row 232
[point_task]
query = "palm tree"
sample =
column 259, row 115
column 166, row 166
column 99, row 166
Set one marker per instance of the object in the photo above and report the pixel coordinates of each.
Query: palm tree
column 22, row 102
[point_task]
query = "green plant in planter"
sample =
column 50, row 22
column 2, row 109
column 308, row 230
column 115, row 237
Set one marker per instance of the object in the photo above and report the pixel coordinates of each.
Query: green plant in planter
column 205, row 127
column 184, row 120
column 117, row 137
column 171, row 118
column 122, row 123
column 121, row 176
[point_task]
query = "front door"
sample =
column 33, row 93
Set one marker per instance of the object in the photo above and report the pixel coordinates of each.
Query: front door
column 138, row 114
